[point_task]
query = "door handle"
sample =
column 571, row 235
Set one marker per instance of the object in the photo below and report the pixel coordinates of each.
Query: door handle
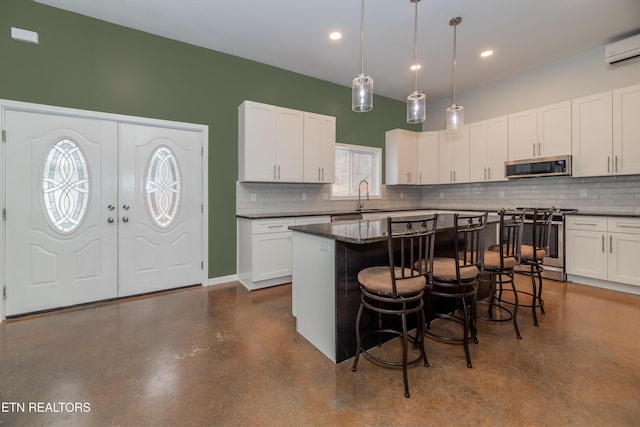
column 125, row 219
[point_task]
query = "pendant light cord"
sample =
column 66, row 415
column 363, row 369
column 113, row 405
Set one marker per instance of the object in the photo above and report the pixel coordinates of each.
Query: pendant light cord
column 455, row 27
column 362, row 37
column 415, row 46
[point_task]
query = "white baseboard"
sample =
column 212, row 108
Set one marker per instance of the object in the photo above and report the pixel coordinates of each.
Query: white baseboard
column 222, row 279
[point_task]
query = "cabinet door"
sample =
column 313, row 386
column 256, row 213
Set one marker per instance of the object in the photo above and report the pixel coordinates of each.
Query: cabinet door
column 427, row 158
column 498, row 143
column 461, row 155
column 445, row 157
column 289, row 138
column 623, row 258
column 586, row 253
column 478, row 151
column 554, row 130
column 592, row 135
column 257, row 142
column 271, row 255
column 523, row 135
column 401, row 161
column 626, row 130
column 319, row 148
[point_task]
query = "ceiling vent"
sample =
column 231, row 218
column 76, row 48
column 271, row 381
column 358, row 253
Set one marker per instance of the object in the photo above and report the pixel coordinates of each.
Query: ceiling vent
column 622, row 51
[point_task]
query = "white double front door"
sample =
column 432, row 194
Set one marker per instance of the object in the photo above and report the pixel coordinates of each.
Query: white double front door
column 98, row 209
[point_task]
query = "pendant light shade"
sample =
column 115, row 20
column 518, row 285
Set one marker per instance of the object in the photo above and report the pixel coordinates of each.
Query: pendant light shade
column 362, row 93
column 455, row 112
column 417, row 100
column 362, row 86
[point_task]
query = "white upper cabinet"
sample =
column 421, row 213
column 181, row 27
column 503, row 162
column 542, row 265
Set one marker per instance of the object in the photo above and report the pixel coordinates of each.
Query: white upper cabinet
column 626, row 131
column 592, row 135
column 453, row 156
column 606, row 133
column 401, row 159
column 540, row 132
column 427, row 158
column 277, row 144
column 269, row 143
column 319, row 148
column 489, row 148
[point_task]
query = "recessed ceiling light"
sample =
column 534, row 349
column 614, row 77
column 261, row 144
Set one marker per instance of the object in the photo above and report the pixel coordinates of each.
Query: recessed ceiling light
column 486, row 53
column 336, row 35
column 415, row 67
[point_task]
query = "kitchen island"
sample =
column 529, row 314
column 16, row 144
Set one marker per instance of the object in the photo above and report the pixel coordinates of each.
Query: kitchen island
column 326, row 262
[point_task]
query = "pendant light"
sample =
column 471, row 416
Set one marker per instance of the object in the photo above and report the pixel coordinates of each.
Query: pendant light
column 455, row 112
column 362, row 86
column 417, row 100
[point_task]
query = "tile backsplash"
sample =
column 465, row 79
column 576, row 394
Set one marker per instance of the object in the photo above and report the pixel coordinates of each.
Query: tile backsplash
column 599, row 195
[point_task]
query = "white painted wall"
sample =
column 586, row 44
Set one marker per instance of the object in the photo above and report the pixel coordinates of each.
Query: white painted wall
column 573, row 77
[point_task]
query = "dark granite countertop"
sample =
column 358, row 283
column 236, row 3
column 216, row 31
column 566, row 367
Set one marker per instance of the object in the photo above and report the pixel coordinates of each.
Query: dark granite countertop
column 334, row 213
column 363, row 231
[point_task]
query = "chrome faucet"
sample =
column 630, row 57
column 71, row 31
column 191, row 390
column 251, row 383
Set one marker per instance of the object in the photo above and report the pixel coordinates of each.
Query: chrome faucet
column 360, row 204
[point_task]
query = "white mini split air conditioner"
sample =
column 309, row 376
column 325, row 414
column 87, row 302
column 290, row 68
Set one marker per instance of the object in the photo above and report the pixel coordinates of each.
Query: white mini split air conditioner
column 622, row 51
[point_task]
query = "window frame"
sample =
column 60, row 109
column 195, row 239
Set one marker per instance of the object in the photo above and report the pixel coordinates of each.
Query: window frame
column 375, row 184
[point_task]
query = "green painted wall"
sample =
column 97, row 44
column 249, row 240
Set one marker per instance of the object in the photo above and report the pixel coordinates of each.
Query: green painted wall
column 90, row 64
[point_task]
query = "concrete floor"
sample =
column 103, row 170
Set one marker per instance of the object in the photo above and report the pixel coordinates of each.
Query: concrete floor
column 224, row 356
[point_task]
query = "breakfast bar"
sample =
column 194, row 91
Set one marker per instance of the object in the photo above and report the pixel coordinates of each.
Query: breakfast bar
column 326, row 262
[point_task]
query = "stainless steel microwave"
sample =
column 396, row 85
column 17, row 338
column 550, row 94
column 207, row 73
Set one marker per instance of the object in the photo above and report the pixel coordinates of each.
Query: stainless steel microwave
column 543, row 166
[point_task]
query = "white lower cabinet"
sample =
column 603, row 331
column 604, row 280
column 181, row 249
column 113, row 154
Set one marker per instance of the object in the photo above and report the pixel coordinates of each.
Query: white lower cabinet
column 605, row 249
column 264, row 249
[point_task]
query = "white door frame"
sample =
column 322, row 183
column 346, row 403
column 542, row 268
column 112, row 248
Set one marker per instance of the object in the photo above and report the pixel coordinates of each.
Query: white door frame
column 53, row 110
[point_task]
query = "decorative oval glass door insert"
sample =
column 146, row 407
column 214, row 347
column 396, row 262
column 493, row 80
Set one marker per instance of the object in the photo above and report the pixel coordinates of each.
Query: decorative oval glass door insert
column 163, row 186
column 65, row 185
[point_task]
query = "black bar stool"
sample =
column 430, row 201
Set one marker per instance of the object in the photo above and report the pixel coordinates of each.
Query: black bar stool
column 396, row 291
column 499, row 263
column 455, row 281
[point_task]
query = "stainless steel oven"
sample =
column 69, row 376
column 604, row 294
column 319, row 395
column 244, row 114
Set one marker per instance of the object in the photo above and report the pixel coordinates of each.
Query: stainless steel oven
column 554, row 262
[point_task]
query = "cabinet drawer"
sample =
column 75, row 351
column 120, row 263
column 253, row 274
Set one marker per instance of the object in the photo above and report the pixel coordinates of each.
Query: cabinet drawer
column 624, row 225
column 593, row 223
column 263, row 226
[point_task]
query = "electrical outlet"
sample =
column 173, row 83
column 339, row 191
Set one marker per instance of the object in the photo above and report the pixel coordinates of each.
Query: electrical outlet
column 442, row 195
column 583, row 193
column 304, row 196
column 253, row 197
column 325, row 196
column 501, row 194
column 402, row 195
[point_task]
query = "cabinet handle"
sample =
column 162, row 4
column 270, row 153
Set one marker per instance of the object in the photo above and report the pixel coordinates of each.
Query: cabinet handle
column 278, row 171
column 319, row 178
column 454, row 175
column 534, row 149
column 610, row 244
column 589, row 224
column 420, row 177
column 628, row 226
column 322, row 174
column 275, row 226
column 539, row 148
column 485, row 174
column 274, row 171
column 489, row 172
column 450, row 176
column 616, row 168
column 603, row 243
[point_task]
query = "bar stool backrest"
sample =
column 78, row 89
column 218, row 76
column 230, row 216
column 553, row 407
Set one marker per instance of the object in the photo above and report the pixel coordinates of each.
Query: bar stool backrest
column 469, row 241
column 410, row 243
column 541, row 229
column 510, row 235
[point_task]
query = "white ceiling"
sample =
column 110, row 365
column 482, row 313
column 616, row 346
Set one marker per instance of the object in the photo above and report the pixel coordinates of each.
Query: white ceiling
column 293, row 34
